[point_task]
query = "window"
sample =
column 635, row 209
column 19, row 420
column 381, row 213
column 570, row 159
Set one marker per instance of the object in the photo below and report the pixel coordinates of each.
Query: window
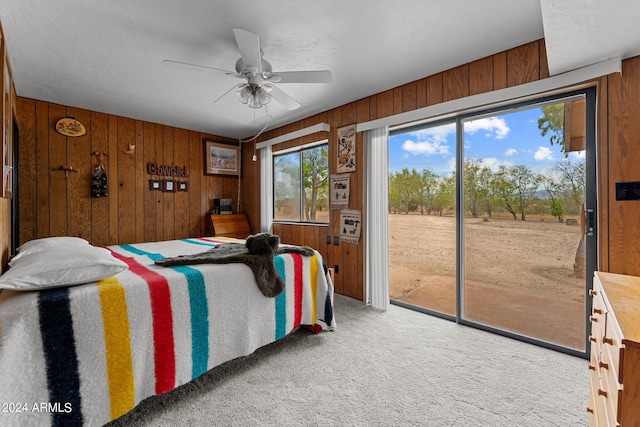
column 301, row 184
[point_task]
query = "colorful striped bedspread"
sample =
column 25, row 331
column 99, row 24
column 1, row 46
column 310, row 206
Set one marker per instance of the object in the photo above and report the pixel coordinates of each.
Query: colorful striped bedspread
column 87, row 354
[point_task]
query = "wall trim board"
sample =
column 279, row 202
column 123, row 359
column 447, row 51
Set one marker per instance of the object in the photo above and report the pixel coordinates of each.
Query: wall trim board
column 496, row 97
column 320, row 127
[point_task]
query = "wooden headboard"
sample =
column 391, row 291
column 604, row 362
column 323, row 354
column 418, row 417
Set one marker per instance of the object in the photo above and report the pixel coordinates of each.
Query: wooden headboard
column 234, row 225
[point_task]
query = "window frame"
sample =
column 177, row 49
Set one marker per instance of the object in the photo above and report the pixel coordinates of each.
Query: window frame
column 297, row 149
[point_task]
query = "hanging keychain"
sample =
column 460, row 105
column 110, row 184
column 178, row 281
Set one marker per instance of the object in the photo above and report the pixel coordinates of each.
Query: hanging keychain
column 100, row 187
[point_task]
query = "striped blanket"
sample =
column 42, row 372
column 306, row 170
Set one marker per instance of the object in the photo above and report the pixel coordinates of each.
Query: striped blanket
column 87, row 354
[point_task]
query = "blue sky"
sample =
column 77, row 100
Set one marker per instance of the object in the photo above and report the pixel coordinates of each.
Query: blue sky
column 510, row 139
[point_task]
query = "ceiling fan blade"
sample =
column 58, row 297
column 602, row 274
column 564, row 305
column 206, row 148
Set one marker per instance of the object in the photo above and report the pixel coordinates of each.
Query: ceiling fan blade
column 194, row 67
column 249, row 46
column 319, row 76
column 238, row 86
column 282, row 98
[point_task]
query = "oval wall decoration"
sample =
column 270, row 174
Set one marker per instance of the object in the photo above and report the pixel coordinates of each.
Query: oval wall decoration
column 70, row 127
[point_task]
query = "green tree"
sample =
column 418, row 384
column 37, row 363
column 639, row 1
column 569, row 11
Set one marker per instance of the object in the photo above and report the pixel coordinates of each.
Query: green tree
column 445, row 194
column 525, row 183
column 572, row 175
column 506, row 190
column 286, row 172
column 406, row 188
column 315, row 179
column 474, row 186
column 556, row 191
column 552, row 122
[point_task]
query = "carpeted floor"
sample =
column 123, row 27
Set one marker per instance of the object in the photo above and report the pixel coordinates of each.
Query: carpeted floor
column 392, row 368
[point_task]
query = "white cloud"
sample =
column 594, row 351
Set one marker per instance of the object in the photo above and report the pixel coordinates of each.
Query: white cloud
column 425, row 147
column 451, row 164
column 492, row 126
column 578, row 154
column 430, row 141
column 510, row 152
column 493, row 163
column 543, row 154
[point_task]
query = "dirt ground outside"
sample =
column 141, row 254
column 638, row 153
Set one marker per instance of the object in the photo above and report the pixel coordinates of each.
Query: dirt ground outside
column 518, row 274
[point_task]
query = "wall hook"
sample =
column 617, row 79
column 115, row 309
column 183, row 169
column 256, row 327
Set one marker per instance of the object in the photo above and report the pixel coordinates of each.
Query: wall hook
column 100, row 156
column 131, row 152
column 67, row 169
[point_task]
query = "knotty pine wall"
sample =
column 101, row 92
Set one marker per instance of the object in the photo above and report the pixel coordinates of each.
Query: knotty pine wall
column 51, row 204
column 618, row 153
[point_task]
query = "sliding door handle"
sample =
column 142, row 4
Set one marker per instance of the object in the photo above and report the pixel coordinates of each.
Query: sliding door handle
column 591, row 224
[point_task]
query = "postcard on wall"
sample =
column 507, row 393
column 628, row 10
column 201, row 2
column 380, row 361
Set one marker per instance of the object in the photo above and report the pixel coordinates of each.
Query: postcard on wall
column 350, row 225
column 339, row 191
column 346, row 149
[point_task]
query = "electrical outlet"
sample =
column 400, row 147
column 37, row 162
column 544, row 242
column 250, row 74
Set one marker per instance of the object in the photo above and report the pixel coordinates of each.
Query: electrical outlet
column 336, row 240
column 328, row 240
column 336, row 269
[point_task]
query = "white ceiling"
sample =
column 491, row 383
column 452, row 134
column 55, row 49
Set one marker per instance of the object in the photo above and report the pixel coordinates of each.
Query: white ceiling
column 107, row 55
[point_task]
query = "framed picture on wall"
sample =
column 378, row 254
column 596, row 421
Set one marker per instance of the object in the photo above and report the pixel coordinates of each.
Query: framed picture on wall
column 221, row 159
column 347, row 149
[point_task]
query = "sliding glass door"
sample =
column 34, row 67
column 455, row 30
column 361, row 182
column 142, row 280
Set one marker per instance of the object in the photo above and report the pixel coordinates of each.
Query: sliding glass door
column 492, row 218
column 422, row 218
column 523, row 197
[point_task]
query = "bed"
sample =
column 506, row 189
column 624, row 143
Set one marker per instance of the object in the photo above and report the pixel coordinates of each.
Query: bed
column 89, row 353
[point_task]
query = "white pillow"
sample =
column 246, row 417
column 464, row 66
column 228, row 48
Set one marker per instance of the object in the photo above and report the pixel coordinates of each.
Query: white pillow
column 52, row 268
column 37, row 245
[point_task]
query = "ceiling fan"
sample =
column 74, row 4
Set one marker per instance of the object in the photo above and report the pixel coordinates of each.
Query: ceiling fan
column 259, row 88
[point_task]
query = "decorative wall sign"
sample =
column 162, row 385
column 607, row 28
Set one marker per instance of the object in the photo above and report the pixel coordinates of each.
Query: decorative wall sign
column 339, row 191
column 350, row 225
column 221, row 159
column 346, row 149
column 69, row 126
column 167, row 170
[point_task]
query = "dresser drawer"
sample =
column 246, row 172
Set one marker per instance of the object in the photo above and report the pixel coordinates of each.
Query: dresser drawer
column 602, row 410
column 609, row 379
column 612, row 344
column 598, row 318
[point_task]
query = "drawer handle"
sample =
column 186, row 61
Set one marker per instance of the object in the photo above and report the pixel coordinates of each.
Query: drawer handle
column 603, row 393
column 604, row 365
column 589, row 410
column 592, row 338
column 591, row 367
column 593, row 318
column 592, row 292
column 607, row 340
column 597, row 311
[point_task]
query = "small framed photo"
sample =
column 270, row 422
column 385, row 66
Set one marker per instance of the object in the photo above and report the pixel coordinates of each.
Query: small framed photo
column 183, row 185
column 155, row 185
column 168, row 186
column 221, row 159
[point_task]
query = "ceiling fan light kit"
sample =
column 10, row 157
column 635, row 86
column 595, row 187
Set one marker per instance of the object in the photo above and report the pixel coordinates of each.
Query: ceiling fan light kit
column 254, row 96
column 259, row 89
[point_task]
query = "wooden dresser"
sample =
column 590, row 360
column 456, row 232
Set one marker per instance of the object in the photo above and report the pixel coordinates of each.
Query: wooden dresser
column 233, row 225
column 615, row 351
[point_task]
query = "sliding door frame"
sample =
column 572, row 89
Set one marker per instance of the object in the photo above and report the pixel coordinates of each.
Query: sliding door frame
column 591, row 247
column 590, row 95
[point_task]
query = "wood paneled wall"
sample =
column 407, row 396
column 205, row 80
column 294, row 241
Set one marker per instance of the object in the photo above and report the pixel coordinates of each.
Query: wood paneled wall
column 619, row 143
column 618, row 156
column 52, row 204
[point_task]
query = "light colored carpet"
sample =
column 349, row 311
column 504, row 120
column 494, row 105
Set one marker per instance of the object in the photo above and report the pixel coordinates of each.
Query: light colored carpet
column 392, row 368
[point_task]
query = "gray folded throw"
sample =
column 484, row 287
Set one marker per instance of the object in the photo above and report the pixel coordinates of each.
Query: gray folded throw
column 257, row 253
